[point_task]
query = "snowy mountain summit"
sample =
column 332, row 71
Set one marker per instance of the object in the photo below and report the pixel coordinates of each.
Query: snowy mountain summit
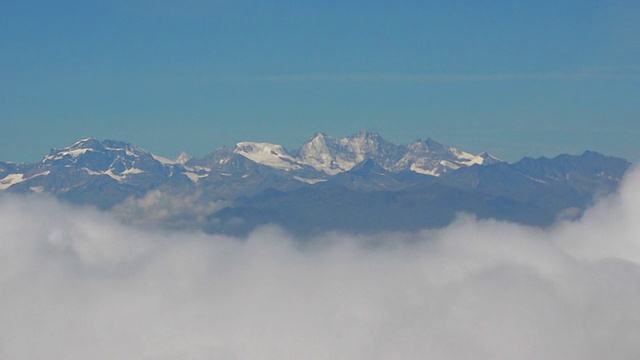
column 357, row 183
column 115, row 159
column 271, row 155
column 90, row 162
column 333, row 156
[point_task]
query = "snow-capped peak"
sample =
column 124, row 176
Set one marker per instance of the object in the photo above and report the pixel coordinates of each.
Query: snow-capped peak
column 321, row 153
column 84, row 141
column 76, row 149
column 272, row 155
column 361, row 144
column 333, row 156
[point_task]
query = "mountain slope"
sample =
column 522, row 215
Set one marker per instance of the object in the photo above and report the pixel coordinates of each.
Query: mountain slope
column 308, row 211
column 357, row 183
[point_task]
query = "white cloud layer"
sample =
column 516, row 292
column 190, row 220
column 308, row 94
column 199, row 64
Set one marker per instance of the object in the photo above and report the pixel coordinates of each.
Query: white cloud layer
column 77, row 284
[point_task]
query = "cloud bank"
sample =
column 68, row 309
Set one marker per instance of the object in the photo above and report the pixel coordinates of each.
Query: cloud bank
column 167, row 209
column 77, row 284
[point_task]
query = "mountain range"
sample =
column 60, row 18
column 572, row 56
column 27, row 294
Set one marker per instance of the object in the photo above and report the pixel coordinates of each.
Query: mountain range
column 360, row 183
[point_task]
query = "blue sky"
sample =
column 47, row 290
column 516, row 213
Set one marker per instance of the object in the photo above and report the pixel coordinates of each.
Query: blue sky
column 514, row 78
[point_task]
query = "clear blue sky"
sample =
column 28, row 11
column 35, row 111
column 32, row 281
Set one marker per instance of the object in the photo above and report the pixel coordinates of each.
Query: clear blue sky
column 514, row 78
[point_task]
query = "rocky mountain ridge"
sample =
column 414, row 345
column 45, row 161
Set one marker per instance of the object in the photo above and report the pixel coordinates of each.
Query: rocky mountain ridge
column 259, row 183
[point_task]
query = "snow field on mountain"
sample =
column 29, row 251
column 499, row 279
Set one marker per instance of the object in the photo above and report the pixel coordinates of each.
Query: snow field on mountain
column 267, row 154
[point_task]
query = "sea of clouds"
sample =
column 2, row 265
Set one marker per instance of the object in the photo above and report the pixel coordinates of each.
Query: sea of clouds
column 77, row 284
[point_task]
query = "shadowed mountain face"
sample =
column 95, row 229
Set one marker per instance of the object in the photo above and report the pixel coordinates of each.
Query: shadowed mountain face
column 361, row 183
column 309, row 211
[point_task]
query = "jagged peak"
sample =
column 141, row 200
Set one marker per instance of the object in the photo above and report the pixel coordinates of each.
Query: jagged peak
column 321, row 152
column 319, row 135
column 427, row 144
column 489, row 159
column 318, row 138
column 183, row 158
column 362, row 140
column 85, row 143
column 250, row 146
column 432, row 143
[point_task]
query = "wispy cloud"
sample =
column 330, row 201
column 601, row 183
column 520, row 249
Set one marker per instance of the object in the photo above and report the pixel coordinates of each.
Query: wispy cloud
column 607, row 73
